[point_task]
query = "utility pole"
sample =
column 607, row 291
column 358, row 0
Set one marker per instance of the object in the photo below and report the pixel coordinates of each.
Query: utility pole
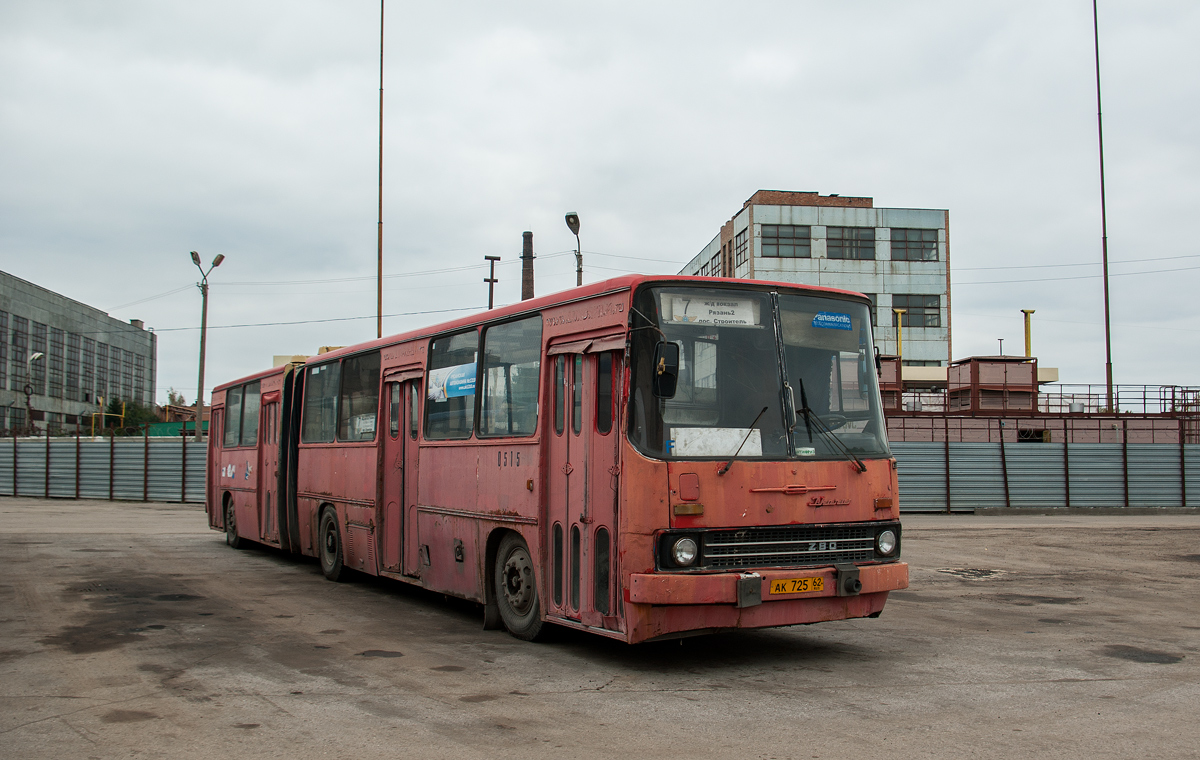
column 1001, row 346
column 203, row 285
column 1108, row 371
column 491, row 278
column 526, row 266
column 573, row 225
column 379, row 272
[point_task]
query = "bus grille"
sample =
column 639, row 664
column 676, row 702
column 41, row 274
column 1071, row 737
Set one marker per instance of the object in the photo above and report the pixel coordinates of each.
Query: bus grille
column 789, row 546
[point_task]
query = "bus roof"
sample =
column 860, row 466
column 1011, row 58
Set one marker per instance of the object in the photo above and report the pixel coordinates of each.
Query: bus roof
column 614, row 284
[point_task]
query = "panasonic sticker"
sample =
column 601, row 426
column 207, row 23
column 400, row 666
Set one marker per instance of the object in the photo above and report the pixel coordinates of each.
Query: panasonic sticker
column 452, row 382
column 832, row 320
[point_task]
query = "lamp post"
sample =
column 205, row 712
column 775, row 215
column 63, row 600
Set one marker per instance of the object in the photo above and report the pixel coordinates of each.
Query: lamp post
column 491, row 278
column 573, row 225
column 29, row 389
column 203, row 285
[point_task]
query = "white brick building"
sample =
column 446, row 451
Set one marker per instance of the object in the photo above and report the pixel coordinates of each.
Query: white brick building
column 898, row 256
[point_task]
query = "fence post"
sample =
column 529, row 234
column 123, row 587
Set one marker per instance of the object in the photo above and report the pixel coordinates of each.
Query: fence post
column 47, row 459
column 1182, row 469
column 1003, row 464
column 112, row 462
column 946, row 436
column 14, row 463
column 146, row 466
column 77, row 461
column 1125, row 459
column 183, row 468
column 1067, row 463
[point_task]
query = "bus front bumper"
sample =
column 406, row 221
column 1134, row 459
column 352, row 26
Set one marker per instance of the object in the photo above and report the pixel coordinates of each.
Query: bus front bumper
column 722, row 588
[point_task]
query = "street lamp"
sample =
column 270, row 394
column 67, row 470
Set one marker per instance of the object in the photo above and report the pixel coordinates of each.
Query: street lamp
column 33, row 357
column 203, row 285
column 573, row 225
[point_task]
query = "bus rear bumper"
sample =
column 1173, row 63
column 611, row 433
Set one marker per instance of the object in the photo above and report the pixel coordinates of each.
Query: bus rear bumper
column 667, row 605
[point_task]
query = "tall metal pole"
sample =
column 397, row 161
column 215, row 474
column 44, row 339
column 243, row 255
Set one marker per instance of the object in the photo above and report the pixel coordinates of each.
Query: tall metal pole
column 203, row 285
column 578, row 262
column 1108, row 371
column 379, row 272
column 200, row 381
column 491, row 278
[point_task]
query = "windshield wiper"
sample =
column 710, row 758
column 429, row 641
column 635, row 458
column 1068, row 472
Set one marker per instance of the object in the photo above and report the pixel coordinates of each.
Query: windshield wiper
column 725, row 468
column 810, row 417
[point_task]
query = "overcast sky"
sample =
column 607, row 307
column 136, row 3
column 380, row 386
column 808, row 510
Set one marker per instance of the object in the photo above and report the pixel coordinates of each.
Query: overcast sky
column 134, row 132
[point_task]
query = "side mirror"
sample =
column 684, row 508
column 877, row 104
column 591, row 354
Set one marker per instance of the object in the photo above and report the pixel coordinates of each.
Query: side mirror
column 878, row 363
column 666, row 369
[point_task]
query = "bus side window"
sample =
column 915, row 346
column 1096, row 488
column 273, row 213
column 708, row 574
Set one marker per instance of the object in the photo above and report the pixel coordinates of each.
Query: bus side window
column 394, row 410
column 560, row 370
column 359, row 404
column 251, row 405
column 414, row 412
column 604, row 393
column 577, row 396
column 320, row 403
column 233, row 417
column 512, row 360
column 450, row 392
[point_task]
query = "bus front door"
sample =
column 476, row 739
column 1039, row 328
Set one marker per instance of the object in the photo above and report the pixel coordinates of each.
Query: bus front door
column 582, row 479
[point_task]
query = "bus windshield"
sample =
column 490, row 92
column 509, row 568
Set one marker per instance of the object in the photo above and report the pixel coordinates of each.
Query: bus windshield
column 762, row 375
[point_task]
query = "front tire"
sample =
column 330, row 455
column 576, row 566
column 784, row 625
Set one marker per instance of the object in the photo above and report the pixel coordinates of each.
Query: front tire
column 331, row 547
column 515, row 589
column 231, row 535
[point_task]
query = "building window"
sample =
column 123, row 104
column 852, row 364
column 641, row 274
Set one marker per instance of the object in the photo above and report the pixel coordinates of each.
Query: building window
column 914, row 245
column 127, row 376
column 140, row 388
column 922, row 310
column 714, row 265
column 856, row 243
column 704, row 269
column 87, row 374
column 101, row 372
column 874, row 308
column 57, row 349
column 921, row 363
column 787, row 241
column 3, row 353
column 20, row 353
column 740, row 244
column 37, row 344
column 72, row 387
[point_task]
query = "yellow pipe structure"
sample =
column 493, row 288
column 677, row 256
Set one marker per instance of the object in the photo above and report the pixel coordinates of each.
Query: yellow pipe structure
column 1028, row 333
column 900, row 331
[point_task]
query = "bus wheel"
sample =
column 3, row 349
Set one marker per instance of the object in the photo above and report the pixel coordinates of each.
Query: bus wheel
column 331, row 547
column 231, row 535
column 516, row 589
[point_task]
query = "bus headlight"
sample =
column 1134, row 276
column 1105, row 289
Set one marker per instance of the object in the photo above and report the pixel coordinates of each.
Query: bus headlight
column 885, row 542
column 684, row 551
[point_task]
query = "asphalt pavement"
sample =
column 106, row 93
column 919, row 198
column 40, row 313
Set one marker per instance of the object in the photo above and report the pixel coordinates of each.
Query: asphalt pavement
column 131, row 630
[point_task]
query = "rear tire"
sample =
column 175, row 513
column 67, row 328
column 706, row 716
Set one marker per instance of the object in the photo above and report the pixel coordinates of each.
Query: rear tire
column 330, row 536
column 231, row 535
column 516, row 590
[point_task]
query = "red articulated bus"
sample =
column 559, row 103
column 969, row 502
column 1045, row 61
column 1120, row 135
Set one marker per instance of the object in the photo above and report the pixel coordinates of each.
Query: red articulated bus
column 643, row 458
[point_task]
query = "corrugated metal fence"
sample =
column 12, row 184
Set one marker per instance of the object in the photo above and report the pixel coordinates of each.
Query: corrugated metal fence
column 945, row 476
column 132, row 469
column 934, row 476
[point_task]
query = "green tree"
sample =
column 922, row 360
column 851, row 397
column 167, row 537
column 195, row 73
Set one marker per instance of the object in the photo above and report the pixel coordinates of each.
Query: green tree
column 175, row 398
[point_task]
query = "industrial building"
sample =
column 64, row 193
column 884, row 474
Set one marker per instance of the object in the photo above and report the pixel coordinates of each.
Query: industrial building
column 71, row 357
column 899, row 257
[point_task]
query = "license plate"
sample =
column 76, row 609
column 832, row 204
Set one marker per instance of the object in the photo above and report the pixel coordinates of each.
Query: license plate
column 797, row 585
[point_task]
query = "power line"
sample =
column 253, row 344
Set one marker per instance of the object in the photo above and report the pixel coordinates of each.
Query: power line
column 316, row 321
column 1078, row 277
column 1081, row 264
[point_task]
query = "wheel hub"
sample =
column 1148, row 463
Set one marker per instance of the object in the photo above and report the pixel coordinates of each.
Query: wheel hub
column 518, row 582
